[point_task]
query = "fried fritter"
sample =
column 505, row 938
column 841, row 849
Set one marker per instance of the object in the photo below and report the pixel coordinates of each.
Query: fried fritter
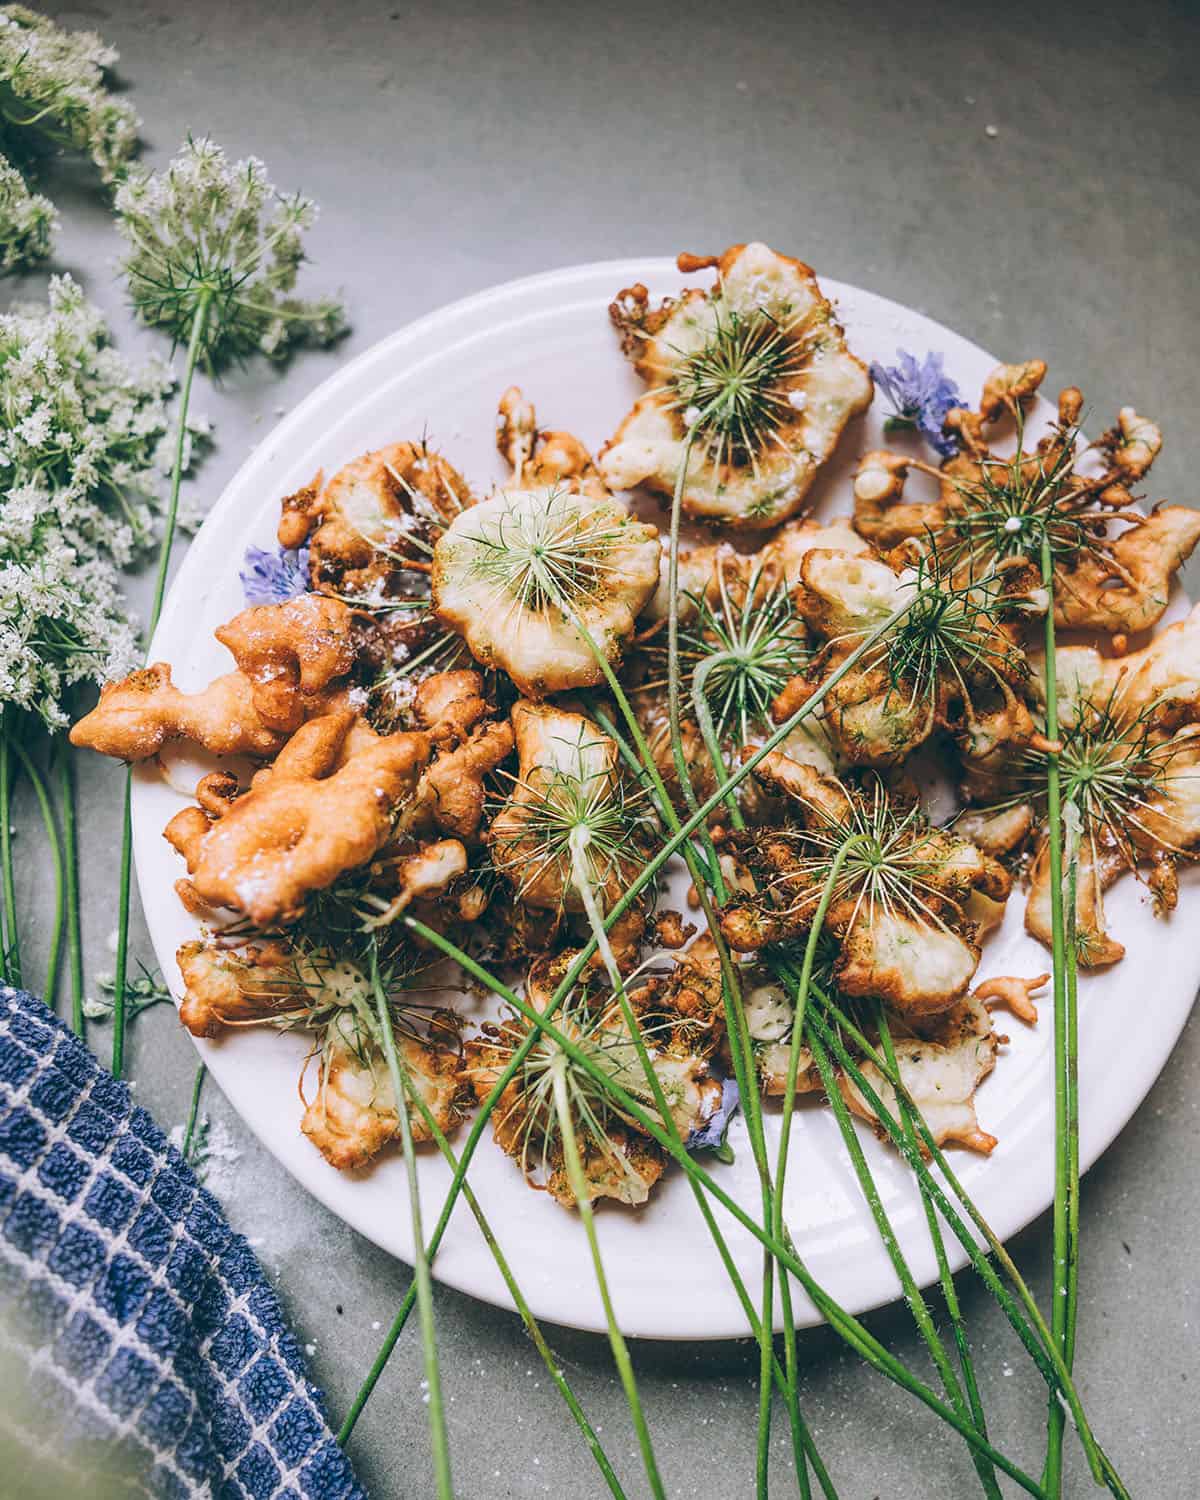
column 302, row 823
column 136, row 717
column 372, row 527
column 538, row 581
column 291, row 653
column 900, row 907
column 753, row 460
column 1113, row 565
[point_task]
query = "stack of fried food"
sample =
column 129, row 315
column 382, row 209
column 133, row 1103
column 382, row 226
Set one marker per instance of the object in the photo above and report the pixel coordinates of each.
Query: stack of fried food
column 424, row 728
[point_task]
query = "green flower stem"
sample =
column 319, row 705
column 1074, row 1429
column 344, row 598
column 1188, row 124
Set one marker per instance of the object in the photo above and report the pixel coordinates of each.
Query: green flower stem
column 12, row 942
column 531, row 1324
column 987, row 1474
column 789, row 1093
column 708, row 731
column 851, row 1330
column 189, row 1133
column 1034, row 1333
column 1072, row 1106
column 620, row 1350
column 121, row 963
column 66, row 775
column 421, row 1278
column 38, row 784
column 741, row 1048
column 677, row 840
column 746, row 1082
column 458, row 1182
column 912, row 1293
column 1065, row 1281
column 802, row 1442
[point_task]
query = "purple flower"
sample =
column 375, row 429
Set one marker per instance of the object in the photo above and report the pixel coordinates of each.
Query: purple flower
column 274, row 577
column 921, row 395
column 711, row 1135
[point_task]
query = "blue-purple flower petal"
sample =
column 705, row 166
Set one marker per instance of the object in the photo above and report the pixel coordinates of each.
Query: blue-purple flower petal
column 712, row 1133
column 920, row 396
column 274, row 577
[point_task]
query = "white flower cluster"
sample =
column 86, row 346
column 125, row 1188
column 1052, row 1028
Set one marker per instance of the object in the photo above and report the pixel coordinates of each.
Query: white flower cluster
column 83, row 451
column 53, row 88
column 52, row 94
column 27, row 221
column 209, row 231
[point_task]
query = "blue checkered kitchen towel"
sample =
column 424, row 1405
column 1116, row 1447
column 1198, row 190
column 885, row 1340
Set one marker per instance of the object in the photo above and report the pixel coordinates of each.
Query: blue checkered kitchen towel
column 142, row 1350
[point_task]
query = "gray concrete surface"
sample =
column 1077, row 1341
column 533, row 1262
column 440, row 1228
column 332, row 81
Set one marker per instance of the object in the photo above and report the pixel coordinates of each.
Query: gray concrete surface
column 455, row 145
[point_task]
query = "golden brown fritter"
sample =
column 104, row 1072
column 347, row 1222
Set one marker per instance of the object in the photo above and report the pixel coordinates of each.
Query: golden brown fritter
column 136, row 717
column 1113, row 565
column 291, row 653
column 373, row 525
column 766, row 316
column 955, row 662
column 942, row 1061
column 302, row 823
column 901, row 906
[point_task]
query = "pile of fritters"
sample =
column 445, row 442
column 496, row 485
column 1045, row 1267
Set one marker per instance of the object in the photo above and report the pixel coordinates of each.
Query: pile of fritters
column 418, row 730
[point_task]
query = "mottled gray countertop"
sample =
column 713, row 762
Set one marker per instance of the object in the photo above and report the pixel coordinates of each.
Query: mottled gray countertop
column 1027, row 175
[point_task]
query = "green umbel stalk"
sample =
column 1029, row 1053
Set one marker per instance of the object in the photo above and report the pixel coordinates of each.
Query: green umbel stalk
column 437, row 1410
column 620, row 1350
column 11, row 954
column 1065, row 1280
column 46, row 810
column 66, row 774
column 121, row 964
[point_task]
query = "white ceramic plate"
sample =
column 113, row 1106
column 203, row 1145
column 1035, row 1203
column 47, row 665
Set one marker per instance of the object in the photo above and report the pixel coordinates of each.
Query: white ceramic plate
column 551, row 335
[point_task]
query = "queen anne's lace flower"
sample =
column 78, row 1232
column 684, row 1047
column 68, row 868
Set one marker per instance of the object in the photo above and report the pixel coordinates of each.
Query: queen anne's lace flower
column 214, row 233
column 80, row 482
column 52, row 89
column 27, row 221
column 921, row 395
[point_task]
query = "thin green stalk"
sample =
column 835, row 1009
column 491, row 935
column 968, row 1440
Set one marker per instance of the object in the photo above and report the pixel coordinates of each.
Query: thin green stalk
column 912, row 1293
column 194, row 1113
column 620, row 1350
column 595, row 915
column 712, row 744
column 424, row 1285
column 474, row 1136
column 708, row 731
column 1072, row 1108
column 56, row 854
column 121, row 963
column 66, row 774
column 852, row 1331
column 789, row 1092
column 1034, row 1333
column 677, row 840
column 121, row 959
column 987, row 1474
column 1065, row 1278
column 735, row 1018
column 740, row 1047
column 12, row 941
column 526, row 1314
